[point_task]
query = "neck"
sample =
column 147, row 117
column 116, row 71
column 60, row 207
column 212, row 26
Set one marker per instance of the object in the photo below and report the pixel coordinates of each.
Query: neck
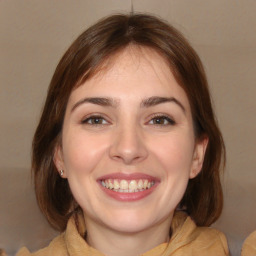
column 114, row 243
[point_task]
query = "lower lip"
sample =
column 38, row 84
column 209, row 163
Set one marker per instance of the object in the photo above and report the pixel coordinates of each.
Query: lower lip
column 128, row 197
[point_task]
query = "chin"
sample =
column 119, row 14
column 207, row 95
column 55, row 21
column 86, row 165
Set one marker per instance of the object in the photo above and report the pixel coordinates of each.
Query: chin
column 130, row 222
column 130, row 226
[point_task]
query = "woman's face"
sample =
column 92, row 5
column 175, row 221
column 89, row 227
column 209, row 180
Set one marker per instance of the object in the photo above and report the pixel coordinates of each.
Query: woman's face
column 128, row 147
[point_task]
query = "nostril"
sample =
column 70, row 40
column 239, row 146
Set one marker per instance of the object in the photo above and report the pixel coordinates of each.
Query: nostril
column 128, row 153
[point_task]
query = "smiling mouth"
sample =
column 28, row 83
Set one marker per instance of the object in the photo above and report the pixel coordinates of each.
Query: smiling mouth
column 127, row 186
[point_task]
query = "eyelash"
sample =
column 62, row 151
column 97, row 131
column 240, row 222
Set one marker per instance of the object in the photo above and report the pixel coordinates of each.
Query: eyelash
column 164, row 118
column 88, row 120
column 157, row 118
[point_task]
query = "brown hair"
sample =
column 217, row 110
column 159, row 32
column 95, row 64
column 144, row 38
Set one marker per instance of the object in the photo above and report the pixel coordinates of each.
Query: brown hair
column 203, row 199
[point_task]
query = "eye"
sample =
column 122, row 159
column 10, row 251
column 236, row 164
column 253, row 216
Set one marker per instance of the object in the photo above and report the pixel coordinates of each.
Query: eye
column 94, row 120
column 162, row 120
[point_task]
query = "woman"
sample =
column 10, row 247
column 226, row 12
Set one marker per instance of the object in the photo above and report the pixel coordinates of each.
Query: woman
column 127, row 154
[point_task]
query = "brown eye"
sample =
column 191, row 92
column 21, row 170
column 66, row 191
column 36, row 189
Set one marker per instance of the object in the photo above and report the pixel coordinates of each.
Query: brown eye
column 161, row 120
column 94, row 120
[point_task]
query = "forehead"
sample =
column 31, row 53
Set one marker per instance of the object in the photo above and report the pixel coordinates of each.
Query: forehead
column 134, row 60
column 135, row 72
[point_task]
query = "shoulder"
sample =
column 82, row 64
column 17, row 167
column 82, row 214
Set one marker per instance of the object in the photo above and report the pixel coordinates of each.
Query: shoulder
column 249, row 246
column 67, row 243
column 194, row 240
column 213, row 239
column 57, row 248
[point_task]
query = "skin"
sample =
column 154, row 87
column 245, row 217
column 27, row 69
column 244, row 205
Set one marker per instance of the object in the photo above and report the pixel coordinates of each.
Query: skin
column 130, row 138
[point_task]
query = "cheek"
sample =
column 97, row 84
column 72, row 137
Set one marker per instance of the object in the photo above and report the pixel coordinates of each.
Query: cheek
column 175, row 154
column 175, row 158
column 83, row 153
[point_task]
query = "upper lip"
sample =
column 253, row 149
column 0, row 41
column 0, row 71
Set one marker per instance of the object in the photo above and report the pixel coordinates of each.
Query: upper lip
column 130, row 176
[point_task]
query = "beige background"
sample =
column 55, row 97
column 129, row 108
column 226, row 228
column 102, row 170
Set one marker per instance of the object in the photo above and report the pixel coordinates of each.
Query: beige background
column 33, row 36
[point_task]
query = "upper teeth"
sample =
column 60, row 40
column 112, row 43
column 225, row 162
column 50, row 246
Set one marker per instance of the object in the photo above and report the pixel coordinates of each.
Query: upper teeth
column 127, row 185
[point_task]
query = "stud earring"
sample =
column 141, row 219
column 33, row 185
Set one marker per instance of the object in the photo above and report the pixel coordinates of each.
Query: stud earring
column 61, row 173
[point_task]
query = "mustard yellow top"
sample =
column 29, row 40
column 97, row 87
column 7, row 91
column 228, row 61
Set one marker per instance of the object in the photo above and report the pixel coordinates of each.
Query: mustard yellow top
column 187, row 239
column 249, row 246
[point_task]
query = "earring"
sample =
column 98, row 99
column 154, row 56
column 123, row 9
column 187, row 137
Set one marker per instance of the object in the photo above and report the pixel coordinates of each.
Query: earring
column 61, row 173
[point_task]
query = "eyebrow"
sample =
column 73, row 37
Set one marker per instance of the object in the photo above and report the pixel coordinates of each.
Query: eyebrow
column 110, row 102
column 155, row 100
column 105, row 102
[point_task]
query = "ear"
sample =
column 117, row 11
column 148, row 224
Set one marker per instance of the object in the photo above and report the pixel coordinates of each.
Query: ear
column 58, row 160
column 198, row 157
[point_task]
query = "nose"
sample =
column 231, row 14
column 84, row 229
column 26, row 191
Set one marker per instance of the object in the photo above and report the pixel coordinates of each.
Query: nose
column 128, row 145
